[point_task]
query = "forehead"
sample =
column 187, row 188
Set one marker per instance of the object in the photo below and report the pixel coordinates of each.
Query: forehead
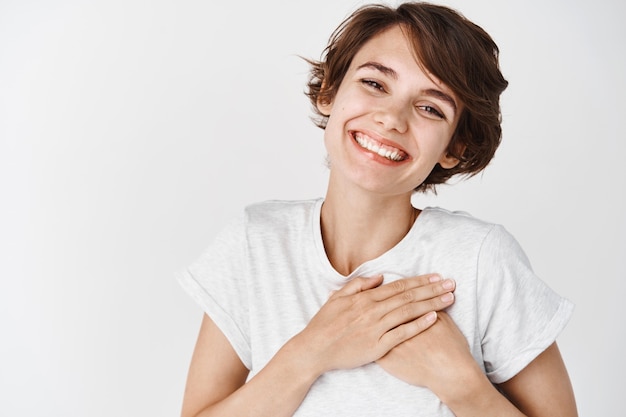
column 392, row 43
column 393, row 47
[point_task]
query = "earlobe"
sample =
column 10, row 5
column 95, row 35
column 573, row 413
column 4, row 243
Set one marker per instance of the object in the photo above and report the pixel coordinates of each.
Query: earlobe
column 448, row 161
column 324, row 107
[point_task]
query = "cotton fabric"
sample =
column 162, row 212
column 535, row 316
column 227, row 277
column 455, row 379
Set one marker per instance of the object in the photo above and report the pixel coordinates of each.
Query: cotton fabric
column 266, row 275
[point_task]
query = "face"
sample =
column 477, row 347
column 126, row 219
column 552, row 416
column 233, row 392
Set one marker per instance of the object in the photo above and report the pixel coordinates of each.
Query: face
column 390, row 122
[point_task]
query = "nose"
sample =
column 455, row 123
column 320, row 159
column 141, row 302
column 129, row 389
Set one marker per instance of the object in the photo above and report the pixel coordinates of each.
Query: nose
column 392, row 115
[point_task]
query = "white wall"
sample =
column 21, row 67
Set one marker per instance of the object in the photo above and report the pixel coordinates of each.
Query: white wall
column 130, row 129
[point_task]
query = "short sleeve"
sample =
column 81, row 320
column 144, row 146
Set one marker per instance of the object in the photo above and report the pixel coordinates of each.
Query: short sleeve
column 217, row 282
column 519, row 316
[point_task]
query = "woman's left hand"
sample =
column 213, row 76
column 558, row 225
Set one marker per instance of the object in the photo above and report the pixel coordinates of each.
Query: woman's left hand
column 438, row 358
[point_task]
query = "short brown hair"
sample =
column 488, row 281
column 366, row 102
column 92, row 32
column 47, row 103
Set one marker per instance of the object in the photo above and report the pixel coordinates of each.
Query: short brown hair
column 456, row 51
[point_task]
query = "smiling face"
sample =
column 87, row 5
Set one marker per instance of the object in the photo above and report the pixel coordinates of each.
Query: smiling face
column 390, row 122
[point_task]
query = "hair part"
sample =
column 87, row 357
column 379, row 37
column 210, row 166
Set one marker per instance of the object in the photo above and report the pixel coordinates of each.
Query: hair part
column 450, row 47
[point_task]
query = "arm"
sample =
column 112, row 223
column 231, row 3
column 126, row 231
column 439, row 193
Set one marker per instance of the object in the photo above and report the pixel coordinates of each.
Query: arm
column 543, row 388
column 447, row 367
column 357, row 325
column 216, row 381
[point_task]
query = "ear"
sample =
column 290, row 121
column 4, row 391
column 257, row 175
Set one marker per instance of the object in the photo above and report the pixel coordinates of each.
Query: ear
column 448, row 161
column 324, row 107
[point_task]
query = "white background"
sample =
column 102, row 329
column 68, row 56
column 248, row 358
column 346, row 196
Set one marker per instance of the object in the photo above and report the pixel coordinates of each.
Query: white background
column 131, row 129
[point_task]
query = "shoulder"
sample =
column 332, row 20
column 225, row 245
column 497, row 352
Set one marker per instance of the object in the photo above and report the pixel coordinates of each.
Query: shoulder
column 276, row 221
column 278, row 213
column 458, row 223
column 461, row 230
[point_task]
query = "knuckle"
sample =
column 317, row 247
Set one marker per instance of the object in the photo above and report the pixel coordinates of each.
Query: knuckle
column 407, row 311
column 436, row 303
column 399, row 285
column 407, row 296
column 436, row 289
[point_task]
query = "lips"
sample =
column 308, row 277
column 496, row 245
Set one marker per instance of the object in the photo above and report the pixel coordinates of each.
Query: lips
column 386, row 151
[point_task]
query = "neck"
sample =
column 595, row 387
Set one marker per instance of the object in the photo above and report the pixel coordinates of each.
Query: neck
column 358, row 226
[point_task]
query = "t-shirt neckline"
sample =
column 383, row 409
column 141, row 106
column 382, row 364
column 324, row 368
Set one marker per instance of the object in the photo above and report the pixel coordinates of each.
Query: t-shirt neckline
column 333, row 274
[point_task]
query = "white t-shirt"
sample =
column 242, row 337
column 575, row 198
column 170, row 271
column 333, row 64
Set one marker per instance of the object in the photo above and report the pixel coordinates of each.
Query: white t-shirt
column 267, row 274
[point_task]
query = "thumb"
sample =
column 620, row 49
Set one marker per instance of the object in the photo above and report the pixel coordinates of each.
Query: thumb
column 358, row 285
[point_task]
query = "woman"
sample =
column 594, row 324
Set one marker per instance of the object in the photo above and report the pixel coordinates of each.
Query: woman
column 359, row 303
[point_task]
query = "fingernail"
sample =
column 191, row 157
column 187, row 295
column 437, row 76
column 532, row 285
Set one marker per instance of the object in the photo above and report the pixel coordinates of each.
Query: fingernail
column 448, row 284
column 435, row 278
column 430, row 317
column 447, row 297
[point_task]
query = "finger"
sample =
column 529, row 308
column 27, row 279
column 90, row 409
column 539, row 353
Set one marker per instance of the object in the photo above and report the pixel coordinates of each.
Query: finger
column 358, row 285
column 402, row 333
column 401, row 285
column 409, row 312
column 423, row 293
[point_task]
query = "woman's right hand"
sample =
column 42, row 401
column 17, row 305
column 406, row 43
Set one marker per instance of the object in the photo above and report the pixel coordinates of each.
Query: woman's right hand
column 362, row 321
column 357, row 325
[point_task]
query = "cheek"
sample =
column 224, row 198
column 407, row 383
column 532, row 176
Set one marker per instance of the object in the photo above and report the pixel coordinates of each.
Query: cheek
column 330, row 136
column 438, row 141
column 350, row 102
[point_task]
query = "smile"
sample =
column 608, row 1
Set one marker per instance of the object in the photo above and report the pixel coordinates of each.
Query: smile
column 386, row 151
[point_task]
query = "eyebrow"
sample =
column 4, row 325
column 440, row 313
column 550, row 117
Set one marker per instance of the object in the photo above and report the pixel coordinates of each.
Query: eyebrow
column 442, row 96
column 380, row 67
column 390, row 72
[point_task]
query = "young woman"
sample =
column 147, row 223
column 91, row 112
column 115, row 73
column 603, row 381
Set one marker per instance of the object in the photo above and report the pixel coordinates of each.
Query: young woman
column 359, row 303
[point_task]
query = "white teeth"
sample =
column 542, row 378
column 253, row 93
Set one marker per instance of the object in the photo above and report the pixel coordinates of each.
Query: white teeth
column 372, row 146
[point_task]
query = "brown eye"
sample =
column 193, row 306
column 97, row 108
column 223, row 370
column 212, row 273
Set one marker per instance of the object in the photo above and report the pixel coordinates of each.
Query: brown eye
column 432, row 110
column 373, row 84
